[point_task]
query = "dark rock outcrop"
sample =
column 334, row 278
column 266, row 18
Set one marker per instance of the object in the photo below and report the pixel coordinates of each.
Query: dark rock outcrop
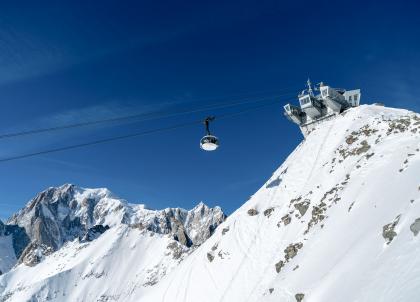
column 279, row 265
column 286, row 219
column 388, row 230
column 225, row 230
column 252, row 212
column 299, row 297
column 34, row 253
column 415, row 227
column 268, row 212
column 292, row 250
column 179, row 233
column 2, row 228
column 20, row 239
column 302, row 207
column 93, row 233
column 210, row 257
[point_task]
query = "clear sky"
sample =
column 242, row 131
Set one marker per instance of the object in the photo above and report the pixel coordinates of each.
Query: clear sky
column 65, row 62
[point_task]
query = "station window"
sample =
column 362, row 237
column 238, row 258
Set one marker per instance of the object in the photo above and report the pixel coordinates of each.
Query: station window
column 349, row 98
column 304, row 101
column 355, row 97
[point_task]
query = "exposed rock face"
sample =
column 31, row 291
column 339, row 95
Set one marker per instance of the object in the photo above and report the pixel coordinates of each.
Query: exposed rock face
column 179, row 233
column 388, row 230
column 268, row 212
column 19, row 238
column 34, row 253
column 65, row 213
column 302, row 207
column 415, row 227
column 299, row 297
column 55, row 216
column 191, row 228
column 94, row 233
column 225, row 230
column 210, row 257
column 177, row 249
column 286, row 219
column 252, row 212
column 201, row 222
column 279, row 265
column 292, row 250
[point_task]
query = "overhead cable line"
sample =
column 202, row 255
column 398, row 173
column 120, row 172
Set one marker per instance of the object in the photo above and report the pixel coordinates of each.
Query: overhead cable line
column 138, row 134
column 143, row 116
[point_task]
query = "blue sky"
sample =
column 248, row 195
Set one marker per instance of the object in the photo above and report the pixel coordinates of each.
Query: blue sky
column 65, row 62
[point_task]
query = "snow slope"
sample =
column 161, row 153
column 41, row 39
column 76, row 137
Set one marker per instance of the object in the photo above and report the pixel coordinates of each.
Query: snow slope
column 314, row 231
column 337, row 221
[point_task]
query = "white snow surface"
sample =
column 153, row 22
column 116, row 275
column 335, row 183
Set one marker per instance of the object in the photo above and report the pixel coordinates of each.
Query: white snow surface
column 322, row 213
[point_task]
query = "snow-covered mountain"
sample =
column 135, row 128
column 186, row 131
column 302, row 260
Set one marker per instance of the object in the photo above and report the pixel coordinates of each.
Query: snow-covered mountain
column 61, row 223
column 337, row 221
column 58, row 215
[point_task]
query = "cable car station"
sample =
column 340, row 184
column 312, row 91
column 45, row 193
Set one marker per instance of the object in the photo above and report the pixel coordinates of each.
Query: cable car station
column 315, row 109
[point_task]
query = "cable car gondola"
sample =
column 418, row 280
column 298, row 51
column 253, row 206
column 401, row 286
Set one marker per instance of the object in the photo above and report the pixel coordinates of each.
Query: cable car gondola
column 209, row 142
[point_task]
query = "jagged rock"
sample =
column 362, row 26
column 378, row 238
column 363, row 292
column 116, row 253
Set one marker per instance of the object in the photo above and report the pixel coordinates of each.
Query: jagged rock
column 2, row 228
column 268, row 212
column 61, row 214
column 270, row 290
column 276, row 182
column 302, row 207
column 94, row 233
column 47, row 218
column 286, row 219
column 201, row 222
column 180, row 234
column 351, row 206
column 351, row 139
column 363, row 148
column 295, row 199
column 176, row 249
column 299, row 297
column 388, row 230
column 369, row 155
column 252, row 212
column 138, row 226
column 318, row 214
column 225, row 230
column 34, row 253
column 399, row 125
column 292, row 250
column 279, row 265
column 415, row 227
column 210, row 257
column 20, row 239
